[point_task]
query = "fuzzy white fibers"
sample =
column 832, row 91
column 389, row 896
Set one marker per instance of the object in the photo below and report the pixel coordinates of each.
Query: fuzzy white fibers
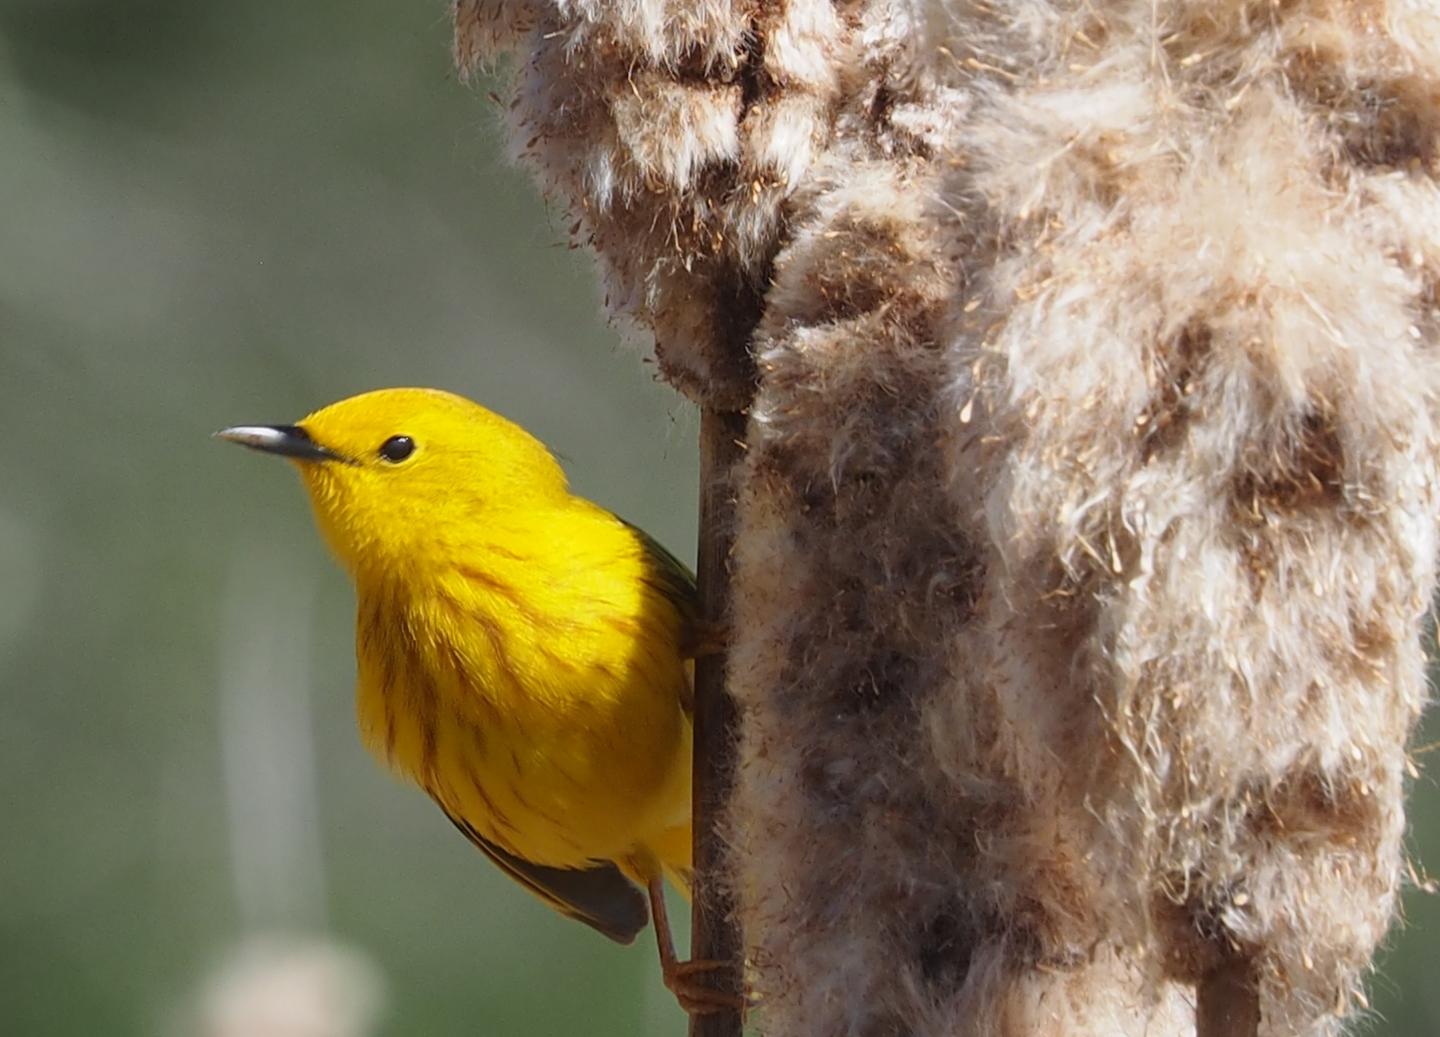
column 1088, row 516
column 671, row 131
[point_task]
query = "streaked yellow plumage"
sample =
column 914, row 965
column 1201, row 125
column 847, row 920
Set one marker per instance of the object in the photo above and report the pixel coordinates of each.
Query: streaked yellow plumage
column 522, row 651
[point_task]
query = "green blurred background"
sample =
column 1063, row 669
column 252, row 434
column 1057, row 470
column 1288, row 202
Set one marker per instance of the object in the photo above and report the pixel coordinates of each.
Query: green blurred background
column 219, row 212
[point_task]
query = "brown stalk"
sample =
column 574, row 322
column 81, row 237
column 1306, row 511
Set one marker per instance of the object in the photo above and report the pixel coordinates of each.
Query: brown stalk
column 713, row 934
column 1228, row 1001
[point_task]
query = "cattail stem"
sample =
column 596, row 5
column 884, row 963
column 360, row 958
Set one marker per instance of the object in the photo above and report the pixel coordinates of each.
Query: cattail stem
column 1228, row 1001
column 713, row 933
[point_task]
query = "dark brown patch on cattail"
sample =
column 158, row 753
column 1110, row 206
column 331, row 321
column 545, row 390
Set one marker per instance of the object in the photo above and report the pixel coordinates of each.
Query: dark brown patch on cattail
column 944, row 945
column 1282, row 478
column 1163, row 425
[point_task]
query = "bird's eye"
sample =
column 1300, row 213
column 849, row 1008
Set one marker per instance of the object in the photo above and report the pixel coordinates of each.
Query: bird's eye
column 397, row 448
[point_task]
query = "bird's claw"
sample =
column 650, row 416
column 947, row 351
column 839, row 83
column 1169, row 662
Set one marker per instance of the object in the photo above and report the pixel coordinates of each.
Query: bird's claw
column 684, row 979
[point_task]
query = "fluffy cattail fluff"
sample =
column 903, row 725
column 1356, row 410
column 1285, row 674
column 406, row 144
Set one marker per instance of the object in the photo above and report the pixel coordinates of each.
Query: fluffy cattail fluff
column 1088, row 514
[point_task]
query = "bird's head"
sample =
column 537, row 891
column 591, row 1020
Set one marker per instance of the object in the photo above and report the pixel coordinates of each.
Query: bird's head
column 394, row 472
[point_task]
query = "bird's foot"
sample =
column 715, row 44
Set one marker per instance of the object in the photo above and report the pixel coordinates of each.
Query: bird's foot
column 686, row 980
column 706, row 638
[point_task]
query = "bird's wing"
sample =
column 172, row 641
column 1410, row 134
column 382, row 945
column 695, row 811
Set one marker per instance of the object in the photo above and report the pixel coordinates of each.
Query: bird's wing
column 670, row 576
column 600, row 895
column 674, row 580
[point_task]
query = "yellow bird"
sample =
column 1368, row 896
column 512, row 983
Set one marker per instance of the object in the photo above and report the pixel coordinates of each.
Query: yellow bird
column 523, row 654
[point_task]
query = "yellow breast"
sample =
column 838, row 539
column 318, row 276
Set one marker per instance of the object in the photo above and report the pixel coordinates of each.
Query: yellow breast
column 537, row 694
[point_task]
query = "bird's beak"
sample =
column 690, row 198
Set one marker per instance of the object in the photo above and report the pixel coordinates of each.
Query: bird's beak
column 285, row 440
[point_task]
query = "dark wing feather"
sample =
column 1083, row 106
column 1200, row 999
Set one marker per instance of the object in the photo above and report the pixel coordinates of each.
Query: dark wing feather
column 673, row 579
column 600, row 896
column 671, row 576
